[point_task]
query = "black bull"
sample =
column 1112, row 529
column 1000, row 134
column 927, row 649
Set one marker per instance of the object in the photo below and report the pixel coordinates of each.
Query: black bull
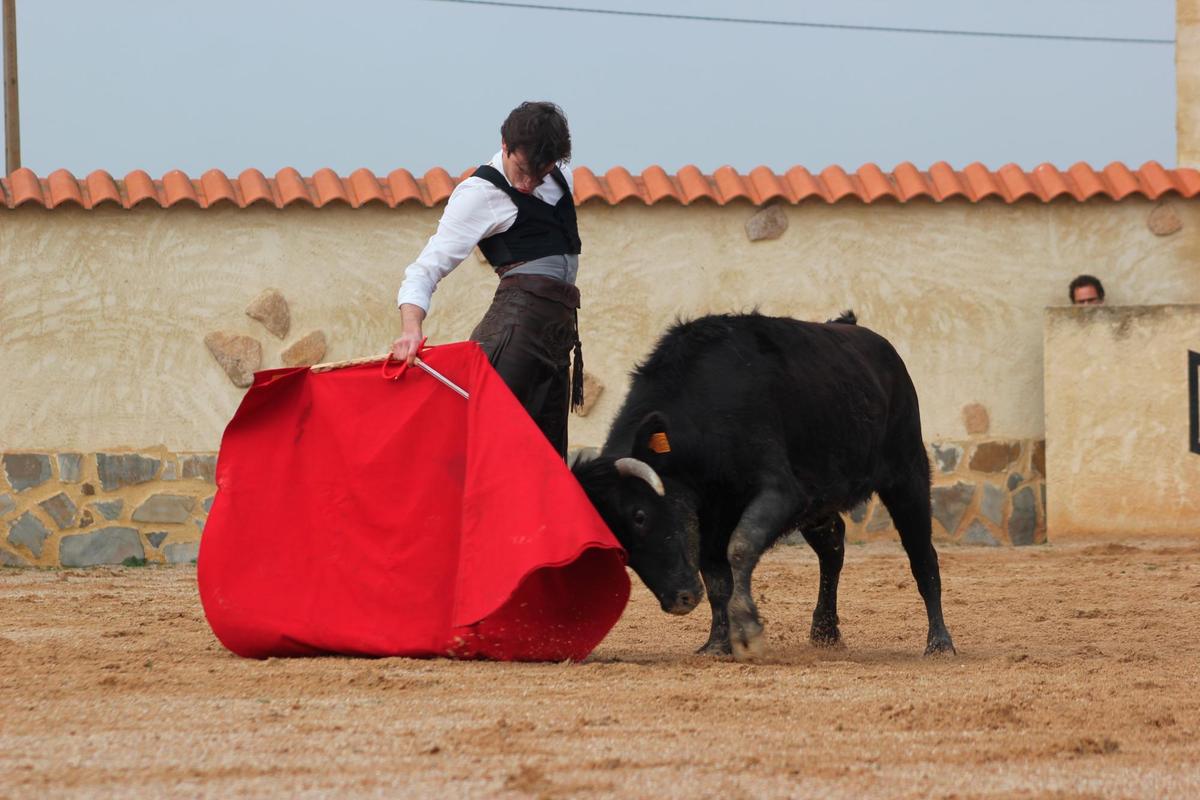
column 740, row 428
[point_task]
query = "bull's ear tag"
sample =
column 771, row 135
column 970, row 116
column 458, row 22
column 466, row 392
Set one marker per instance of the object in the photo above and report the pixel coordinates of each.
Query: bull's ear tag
column 659, row 443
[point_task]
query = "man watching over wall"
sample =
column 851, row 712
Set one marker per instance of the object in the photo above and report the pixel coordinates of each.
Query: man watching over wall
column 1086, row 290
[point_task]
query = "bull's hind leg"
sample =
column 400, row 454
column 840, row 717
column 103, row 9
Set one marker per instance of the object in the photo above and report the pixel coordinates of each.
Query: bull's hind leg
column 761, row 523
column 908, row 503
column 828, row 540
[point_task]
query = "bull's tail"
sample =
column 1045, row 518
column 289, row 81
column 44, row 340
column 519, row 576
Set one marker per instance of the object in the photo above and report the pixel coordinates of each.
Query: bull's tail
column 847, row 318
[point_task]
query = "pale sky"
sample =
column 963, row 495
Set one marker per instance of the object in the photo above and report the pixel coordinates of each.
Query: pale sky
column 231, row 84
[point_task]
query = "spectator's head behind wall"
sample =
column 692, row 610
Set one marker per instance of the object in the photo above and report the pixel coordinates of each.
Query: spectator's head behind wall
column 1086, row 290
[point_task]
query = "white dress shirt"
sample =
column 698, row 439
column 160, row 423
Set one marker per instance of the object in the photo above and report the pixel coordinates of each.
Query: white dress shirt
column 476, row 210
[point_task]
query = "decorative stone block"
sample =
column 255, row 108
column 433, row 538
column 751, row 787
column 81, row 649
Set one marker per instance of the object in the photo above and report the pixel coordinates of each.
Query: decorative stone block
column 977, row 533
column 306, row 351
column 207, row 504
column 947, row 456
column 124, row 469
column 86, row 519
column 992, row 505
column 7, row 504
column 200, row 467
column 1164, row 220
column 994, row 456
column 61, row 509
column 156, row 538
column 271, row 309
column 1022, row 525
column 105, row 546
column 8, row 559
column 950, row 504
column 181, row 552
column 170, row 470
column 768, row 223
column 239, row 356
column 29, row 532
column 975, row 419
column 1038, row 458
column 1014, row 480
column 70, row 467
column 165, row 508
column 109, row 509
column 592, row 389
column 26, row 470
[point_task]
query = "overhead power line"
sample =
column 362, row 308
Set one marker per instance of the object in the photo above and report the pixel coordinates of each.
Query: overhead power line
column 783, row 23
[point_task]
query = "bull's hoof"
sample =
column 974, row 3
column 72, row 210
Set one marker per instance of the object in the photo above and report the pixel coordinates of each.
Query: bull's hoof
column 749, row 650
column 940, row 646
column 824, row 636
column 715, row 648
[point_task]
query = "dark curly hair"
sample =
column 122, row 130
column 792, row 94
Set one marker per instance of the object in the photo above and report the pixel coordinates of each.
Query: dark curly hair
column 1085, row 280
column 539, row 130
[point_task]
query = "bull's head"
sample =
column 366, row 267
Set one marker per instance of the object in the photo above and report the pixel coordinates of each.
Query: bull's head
column 652, row 515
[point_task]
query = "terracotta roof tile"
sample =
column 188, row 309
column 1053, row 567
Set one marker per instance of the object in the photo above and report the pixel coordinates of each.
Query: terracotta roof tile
column 177, row 188
column 366, row 188
column 868, row 184
column 217, row 188
column 766, row 185
column 658, row 185
column 139, row 188
column 621, row 186
column 694, row 186
column 101, row 188
column 910, row 182
column 875, row 184
column 1016, row 183
column 439, row 184
column 63, row 188
column 804, row 185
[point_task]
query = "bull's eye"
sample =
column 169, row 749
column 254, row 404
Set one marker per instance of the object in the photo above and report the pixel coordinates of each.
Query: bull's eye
column 639, row 518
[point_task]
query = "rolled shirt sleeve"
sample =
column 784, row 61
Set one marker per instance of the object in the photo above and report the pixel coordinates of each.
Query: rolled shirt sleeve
column 468, row 218
column 476, row 210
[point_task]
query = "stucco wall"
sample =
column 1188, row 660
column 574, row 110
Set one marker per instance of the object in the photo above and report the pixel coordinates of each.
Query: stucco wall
column 104, row 312
column 1117, row 413
column 111, row 409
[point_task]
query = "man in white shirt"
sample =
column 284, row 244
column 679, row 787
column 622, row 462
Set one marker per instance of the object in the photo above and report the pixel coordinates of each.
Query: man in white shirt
column 520, row 211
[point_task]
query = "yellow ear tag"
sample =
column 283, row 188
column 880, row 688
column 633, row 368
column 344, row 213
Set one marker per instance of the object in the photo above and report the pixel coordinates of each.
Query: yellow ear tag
column 659, row 443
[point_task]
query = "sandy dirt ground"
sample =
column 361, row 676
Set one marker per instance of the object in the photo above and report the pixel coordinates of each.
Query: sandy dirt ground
column 1078, row 676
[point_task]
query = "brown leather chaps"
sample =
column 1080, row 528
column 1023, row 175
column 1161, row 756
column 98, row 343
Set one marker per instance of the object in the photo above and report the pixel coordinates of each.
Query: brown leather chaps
column 528, row 334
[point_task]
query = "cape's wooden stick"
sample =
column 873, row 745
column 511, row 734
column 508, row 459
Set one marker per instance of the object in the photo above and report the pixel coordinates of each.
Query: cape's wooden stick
column 354, row 362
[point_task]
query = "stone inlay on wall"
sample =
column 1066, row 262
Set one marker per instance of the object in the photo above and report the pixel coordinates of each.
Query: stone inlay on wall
column 989, row 493
column 306, row 351
column 271, row 309
column 84, row 509
column 105, row 507
column 241, row 355
column 768, row 223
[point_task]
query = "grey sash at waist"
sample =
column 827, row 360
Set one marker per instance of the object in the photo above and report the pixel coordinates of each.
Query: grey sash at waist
column 562, row 268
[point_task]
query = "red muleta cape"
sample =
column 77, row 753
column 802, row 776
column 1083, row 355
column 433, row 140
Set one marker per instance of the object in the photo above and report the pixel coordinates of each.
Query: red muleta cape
column 366, row 516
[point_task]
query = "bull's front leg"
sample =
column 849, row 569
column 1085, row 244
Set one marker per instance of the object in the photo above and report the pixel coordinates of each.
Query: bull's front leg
column 718, row 584
column 760, row 524
column 828, row 541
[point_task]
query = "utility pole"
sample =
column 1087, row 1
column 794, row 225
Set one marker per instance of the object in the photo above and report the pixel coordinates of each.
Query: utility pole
column 12, row 113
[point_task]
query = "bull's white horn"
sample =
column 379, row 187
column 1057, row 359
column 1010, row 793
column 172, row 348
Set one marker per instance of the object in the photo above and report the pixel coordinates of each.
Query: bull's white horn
column 640, row 469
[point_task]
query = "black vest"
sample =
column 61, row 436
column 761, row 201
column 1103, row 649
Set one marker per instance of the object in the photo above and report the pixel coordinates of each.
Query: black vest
column 540, row 229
